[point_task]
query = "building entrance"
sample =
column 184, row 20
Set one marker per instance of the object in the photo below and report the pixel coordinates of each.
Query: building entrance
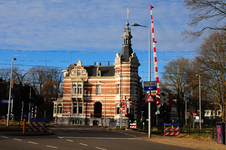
column 98, row 110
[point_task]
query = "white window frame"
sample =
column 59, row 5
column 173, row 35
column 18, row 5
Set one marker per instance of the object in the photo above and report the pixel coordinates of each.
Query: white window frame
column 78, row 73
column 98, row 89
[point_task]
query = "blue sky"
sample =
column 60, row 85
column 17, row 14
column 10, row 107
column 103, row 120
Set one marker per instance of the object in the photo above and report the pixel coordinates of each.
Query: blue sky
column 60, row 32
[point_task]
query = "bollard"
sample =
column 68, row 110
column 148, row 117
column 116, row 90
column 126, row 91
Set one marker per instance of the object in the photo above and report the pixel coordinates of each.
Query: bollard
column 24, row 126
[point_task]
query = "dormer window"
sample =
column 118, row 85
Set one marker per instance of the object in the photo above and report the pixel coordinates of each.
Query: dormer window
column 78, row 72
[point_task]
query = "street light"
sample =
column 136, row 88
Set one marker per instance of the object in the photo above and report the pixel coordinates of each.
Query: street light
column 199, row 102
column 10, row 86
column 149, row 103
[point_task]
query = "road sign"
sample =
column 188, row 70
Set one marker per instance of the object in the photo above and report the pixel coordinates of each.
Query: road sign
column 121, row 109
column 150, row 98
column 150, row 85
column 6, row 101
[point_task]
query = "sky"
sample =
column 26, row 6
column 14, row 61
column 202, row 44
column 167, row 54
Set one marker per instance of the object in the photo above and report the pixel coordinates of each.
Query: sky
column 57, row 33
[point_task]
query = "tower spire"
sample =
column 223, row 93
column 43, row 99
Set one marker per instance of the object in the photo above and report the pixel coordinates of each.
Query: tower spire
column 126, row 49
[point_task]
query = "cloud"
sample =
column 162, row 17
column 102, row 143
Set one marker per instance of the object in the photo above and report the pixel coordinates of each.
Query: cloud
column 85, row 25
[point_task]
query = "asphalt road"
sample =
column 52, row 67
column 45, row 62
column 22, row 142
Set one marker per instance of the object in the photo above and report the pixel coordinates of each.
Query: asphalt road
column 83, row 139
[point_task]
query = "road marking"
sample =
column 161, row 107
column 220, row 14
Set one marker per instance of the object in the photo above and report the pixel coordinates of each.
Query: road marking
column 17, row 139
column 99, row 138
column 100, row 148
column 130, row 135
column 32, row 142
column 51, row 146
column 69, row 140
column 5, row 137
column 83, row 144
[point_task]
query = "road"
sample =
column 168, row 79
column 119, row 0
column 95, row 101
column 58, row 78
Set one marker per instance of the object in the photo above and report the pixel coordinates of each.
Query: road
column 83, row 139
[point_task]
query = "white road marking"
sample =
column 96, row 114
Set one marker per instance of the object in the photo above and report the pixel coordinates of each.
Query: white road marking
column 99, row 138
column 69, row 140
column 51, row 146
column 100, row 148
column 32, row 142
column 130, row 135
column 17, row 139
column 83, row 144
column 5, row 137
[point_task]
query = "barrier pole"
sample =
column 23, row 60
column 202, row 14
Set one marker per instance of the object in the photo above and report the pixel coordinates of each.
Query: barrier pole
column 24, row 126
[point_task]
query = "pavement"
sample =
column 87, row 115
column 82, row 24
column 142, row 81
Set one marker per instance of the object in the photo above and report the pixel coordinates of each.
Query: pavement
column 169, row 140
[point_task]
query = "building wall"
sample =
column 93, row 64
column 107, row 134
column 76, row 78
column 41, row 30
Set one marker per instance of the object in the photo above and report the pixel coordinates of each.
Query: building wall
column 126, row 75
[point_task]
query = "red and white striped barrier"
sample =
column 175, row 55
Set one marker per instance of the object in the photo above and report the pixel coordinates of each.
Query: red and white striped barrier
column 155, row 60
column 172, row 133
column 172, row 128
column 38, row 124
column 38, row 127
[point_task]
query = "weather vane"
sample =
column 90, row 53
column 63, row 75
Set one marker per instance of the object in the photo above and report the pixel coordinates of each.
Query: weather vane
column 127, row 14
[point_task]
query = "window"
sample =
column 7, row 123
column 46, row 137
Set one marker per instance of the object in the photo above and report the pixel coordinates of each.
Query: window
column 55, row 109
column 74, row 89
column 98, row 89
column 117, row 109
column 59, row 108
column 75, row 107
column 78, row 72
column 117, row 88
column 132, row 92
column 79, row 89
column 80, row 108
column 219, row 112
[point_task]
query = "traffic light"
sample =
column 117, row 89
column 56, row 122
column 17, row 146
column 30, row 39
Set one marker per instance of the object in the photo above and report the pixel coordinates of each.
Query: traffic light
column 132, row 103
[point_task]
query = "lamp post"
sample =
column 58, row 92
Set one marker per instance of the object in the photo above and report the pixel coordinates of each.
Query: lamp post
column 149, row 103
column 10, row 86
column 200, row 119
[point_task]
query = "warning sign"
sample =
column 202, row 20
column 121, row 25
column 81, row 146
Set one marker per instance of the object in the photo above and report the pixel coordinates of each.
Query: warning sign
column 150, row 98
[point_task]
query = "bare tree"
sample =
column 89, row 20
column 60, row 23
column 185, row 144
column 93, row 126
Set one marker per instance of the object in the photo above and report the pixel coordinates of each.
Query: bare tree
column 36, row 77
column 213, row 11
column 19, row 76
column 46, row 81
column 176, row 79
column 5, row 74
column 212, row 56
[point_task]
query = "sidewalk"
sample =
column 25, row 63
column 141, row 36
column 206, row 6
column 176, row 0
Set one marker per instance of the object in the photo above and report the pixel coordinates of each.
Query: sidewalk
column 186, row 142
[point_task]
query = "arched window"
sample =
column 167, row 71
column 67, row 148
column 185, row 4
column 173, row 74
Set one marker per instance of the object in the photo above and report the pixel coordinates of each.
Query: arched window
column 59, row 108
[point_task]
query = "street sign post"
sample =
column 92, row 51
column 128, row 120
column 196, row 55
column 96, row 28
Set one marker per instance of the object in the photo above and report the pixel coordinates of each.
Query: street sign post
column 150, row 85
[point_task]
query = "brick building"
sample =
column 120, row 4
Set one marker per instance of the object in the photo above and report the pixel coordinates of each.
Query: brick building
column 92, row 94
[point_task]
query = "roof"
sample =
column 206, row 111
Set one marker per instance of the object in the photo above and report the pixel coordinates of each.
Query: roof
column 126, row 53
column 92, row 70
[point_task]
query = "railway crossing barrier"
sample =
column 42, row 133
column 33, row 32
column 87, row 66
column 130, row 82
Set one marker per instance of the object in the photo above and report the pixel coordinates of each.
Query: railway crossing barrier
column 171, row 129
column 38, row 125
